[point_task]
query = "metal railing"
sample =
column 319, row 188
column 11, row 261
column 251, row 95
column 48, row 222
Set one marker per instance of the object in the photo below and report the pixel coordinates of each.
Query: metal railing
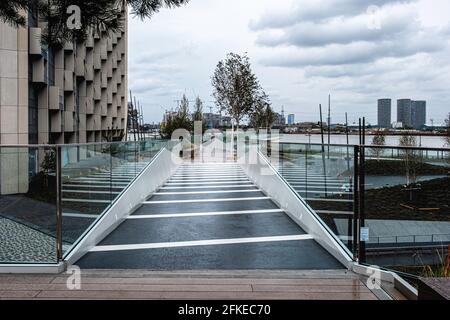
column 52, row 195
column 389, row 186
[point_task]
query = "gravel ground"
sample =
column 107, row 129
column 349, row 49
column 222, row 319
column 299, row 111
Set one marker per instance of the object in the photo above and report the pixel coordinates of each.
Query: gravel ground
column 19, row 243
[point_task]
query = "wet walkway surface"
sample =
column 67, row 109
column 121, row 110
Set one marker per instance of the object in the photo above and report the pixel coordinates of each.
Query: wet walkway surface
column 209, row 217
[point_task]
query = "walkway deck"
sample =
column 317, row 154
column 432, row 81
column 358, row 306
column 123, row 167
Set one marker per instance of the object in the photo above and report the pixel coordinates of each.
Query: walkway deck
column 209, row 217
column 139, row 284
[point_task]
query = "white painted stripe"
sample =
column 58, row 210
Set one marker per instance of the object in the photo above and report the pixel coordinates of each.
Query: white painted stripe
column 99, row 184
column 323, row 192
column 317, row 184
column 209, row 187
column 204, row 180
column 100, row 179
column 90, row 186
column 206, row 200
column 199, row 243
column 202, row 214
column 221, row 168
column 320, row 186
column 319, row 180
column 206, row 183
column 215, row 173
column 307, row 176
column 114, row 175
column 225, row 173
column 209, row 164
column 211, row 172
column 80, row 215
column 85, row 200
column 204, row 192
column 90, row 191
column 328, row 200
column 344, row 213
column 208, row 177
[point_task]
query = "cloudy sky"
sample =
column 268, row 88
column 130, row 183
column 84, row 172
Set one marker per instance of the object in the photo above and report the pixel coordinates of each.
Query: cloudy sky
column 301, row 50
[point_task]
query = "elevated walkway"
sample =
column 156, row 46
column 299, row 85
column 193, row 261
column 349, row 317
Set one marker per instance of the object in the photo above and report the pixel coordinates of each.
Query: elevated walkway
column 206, row 217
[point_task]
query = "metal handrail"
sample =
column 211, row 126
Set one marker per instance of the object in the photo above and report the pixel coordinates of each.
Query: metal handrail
column 280, row 142
column 369, row 146
column 53, row 146
column 414, row 237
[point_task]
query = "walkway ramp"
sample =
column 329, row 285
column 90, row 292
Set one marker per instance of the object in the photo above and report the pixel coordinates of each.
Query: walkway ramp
column 209, row 216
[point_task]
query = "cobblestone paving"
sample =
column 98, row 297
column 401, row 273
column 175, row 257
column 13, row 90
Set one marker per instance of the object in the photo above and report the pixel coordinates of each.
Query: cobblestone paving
column 19, row 243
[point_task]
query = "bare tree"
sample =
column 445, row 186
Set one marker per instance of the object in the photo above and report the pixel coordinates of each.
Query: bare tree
column 235, row 86
column 378, row 141
column 410, row 156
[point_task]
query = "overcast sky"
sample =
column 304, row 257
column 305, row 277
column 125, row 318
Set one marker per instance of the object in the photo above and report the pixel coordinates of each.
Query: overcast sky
column 301, row 50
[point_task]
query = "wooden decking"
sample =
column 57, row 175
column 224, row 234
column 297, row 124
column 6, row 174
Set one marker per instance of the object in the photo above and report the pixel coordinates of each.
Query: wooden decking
column 207, row 285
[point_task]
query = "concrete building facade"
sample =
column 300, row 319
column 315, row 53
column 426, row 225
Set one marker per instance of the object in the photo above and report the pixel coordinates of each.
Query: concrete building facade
column 412, row 113
column 76, row 93
column 419, row 114
column 71, row 94
column 291, row 119
column 404, row 112
column 384, row 113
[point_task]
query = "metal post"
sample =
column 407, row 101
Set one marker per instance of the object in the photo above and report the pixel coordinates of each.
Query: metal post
column 329, row 124
column 355, row 202
column 132, row 116
column 362, row 244
column 137, row 119
column 110, row 173
column 59, row 250
column 323, row 153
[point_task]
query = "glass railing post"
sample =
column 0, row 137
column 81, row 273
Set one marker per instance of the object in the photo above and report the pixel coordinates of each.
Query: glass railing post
column 356, row 151
column 361, row 211
column 59, row 248
column 111, row 196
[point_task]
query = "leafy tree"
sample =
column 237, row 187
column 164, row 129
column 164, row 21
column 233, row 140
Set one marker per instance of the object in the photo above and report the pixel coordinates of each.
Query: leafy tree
column 48, row 165
column 178, row 120
column 379, row 140
column 96, row 15
column 183, row 110
column 10, row 11
column 235, row 86
column 262, row 116
column 198, row 110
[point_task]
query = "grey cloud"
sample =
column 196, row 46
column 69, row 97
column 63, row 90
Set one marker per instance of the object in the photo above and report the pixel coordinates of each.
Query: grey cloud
column 354, row 53
column 317, row 10
column 393, row 23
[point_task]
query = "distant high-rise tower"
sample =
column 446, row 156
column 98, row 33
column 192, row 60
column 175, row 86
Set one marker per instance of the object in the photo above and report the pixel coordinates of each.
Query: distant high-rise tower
column 291, row 119
column 418, row 114
column 404, row 108
column 384, row 113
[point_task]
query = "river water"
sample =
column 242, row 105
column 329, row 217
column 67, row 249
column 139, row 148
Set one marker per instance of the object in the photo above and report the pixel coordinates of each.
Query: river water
column 425, row 141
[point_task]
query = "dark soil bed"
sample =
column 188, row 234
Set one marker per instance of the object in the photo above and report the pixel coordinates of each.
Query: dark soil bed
column 395, row 168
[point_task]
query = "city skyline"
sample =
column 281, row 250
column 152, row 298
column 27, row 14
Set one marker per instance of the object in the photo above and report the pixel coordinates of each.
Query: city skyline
column 297, row 71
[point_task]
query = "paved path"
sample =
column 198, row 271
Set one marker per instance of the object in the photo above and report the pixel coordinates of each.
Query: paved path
column 209, row 216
